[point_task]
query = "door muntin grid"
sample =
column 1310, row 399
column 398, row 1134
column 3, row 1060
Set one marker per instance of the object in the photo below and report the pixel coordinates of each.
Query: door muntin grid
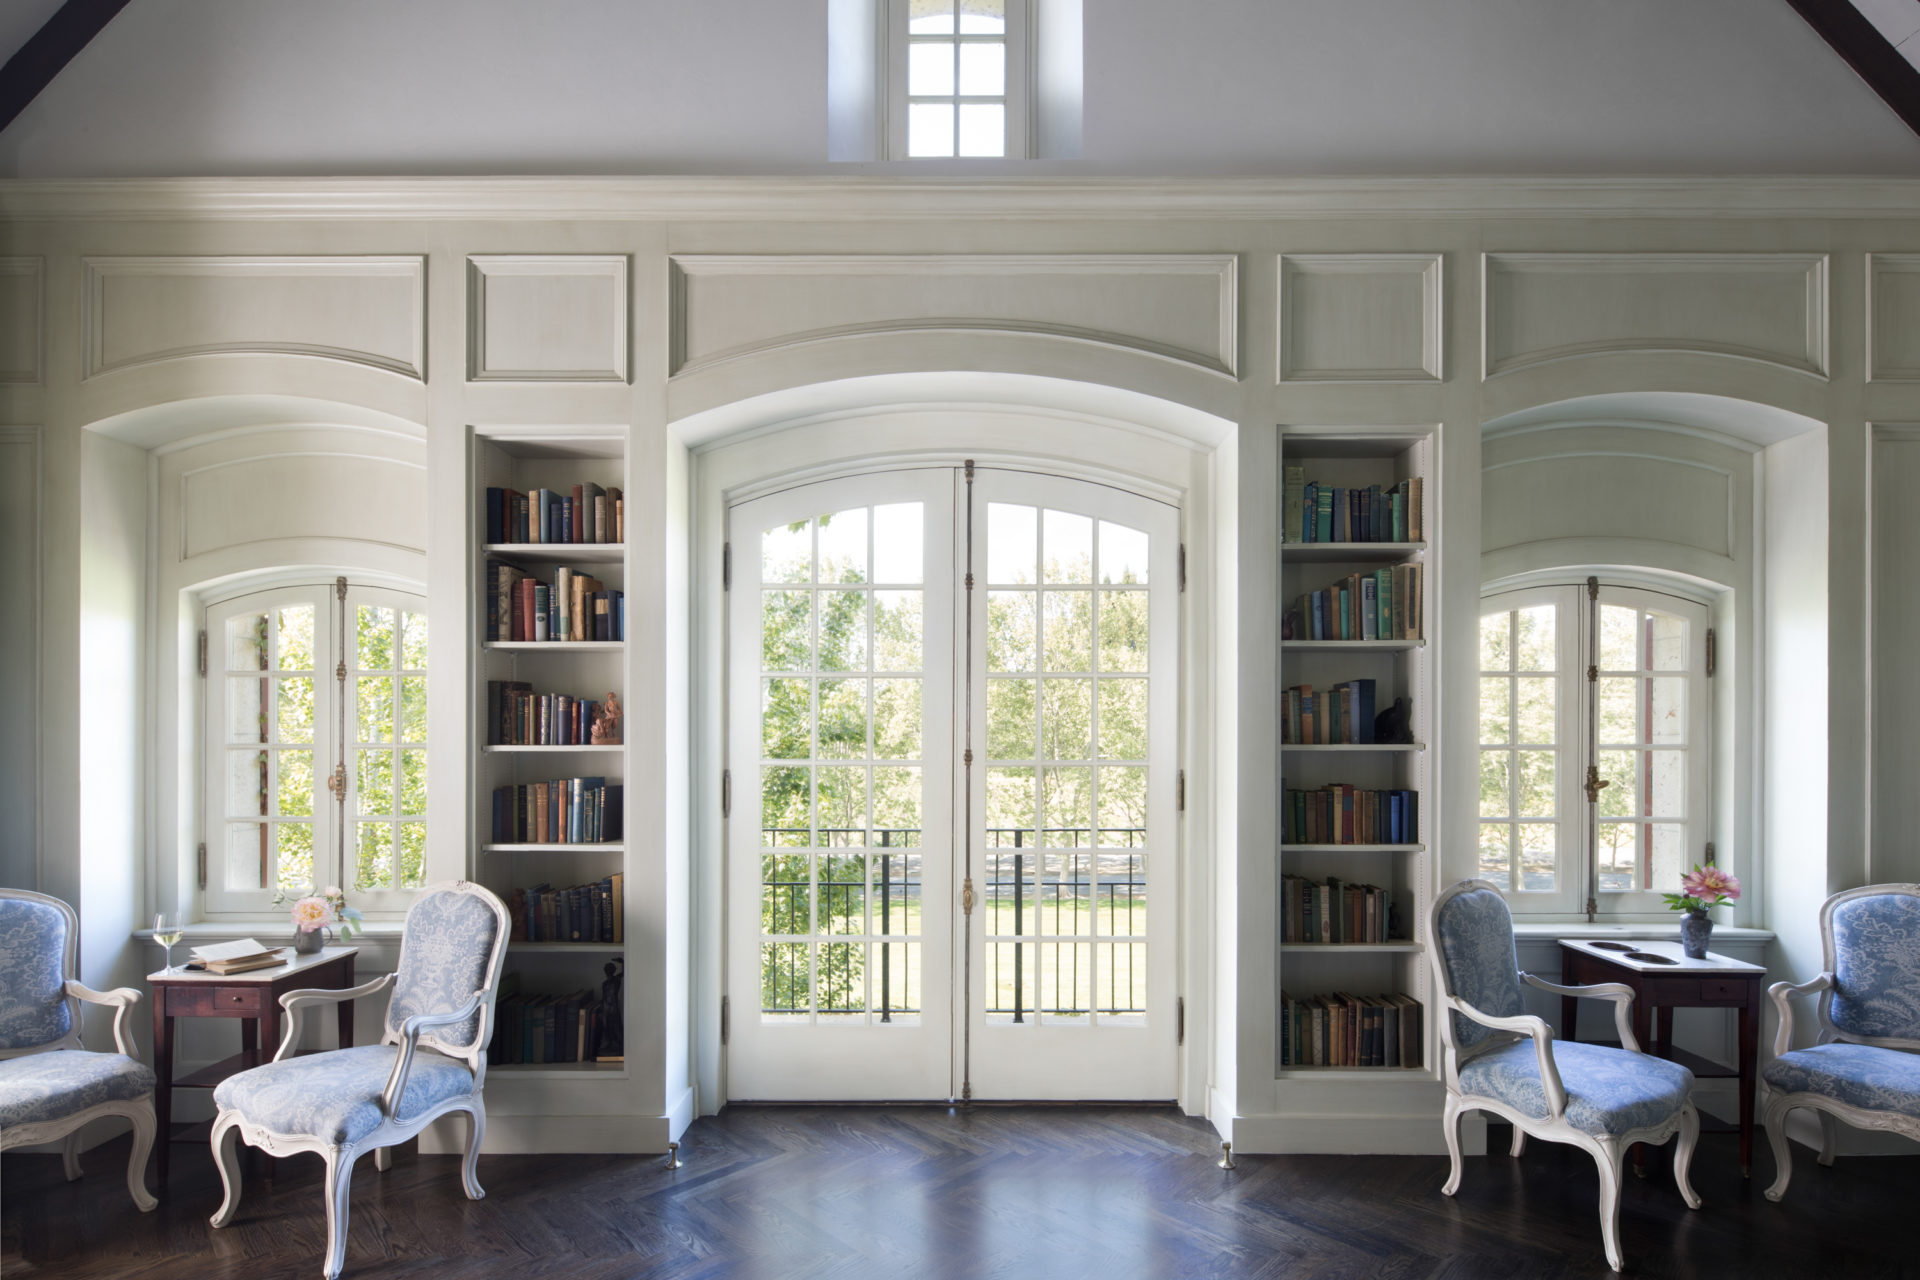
column 842, row 754
column 1647, row 666
column 1521, row 733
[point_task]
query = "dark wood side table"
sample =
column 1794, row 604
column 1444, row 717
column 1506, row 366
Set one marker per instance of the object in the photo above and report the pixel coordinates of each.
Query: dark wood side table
column 1664, row 979
column 253, row 997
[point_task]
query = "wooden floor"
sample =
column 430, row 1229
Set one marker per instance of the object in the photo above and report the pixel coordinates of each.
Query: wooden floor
column 905, row 1193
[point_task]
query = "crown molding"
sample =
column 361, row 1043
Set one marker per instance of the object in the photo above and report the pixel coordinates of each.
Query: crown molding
column 787, row 199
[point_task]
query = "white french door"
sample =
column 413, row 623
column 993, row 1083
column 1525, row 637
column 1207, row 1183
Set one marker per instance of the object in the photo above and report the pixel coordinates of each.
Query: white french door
column 952, row 750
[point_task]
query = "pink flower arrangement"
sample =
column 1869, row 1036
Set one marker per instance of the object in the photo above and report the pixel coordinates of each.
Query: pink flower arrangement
column 1704, row 887
column 310, row 914
column 326, row 908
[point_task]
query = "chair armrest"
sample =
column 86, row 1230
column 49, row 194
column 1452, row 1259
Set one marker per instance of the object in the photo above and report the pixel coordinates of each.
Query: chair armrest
column 1535, row 1029
column 296, row 1002
column 410, row 1030
column 1778, row 993
column 1618, row 992
column 120, row 999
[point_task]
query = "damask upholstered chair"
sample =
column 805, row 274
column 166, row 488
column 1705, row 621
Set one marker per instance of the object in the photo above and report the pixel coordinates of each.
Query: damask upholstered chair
column 1499, row 1059
column 49, row 1086
column 431, row 1060
column 1858, row 1069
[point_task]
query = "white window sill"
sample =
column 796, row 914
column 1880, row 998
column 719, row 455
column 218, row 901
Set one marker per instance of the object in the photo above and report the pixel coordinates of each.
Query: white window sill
column 1527, row 931
column 277, row 932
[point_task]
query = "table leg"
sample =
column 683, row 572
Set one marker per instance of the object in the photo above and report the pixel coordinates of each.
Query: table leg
column 1749, row 1062
column 163, row 1072
column 1664, row 1036
column 343, row 1011
column 1641, row 1033
column 1569, row 1016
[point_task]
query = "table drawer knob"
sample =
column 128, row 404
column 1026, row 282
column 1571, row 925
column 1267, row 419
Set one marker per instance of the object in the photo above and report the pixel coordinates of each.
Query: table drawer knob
column 238, row 999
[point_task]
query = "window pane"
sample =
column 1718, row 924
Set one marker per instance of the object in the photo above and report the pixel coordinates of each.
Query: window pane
column 896, row 808
column 1123, row 720
column 375, row 708
column 295, row 707
column 247, row 782
column 930, row 17
column 413, row 855
column 786, row 630
column 413, row 708
column 929, row 129
column 1667, row 790
column 843, row 630
column 1618, row 651
column 293, row 843
column 1619, row 770
column 1123, row 631
column 1536, row 638
column 840, row 807
column 373, row 631
column 1123, row 806
column 1496, row 785
column 1619, row 856
column 786, row 719
column 247, row 642
column 247, row 855
column 1010, row 807
column 1010, row 631
column 1496, row 851
column 1669, row 857
column 786, row 797
column 1067, row 632
column 1494, row 704
column 898, row 552
column 897, row 625
column 1619, row 712
column 1536, row 710
column 1667, row 723
column 296, row 638
column 786, row 553
column 1666, row 642
column 843, row 721
column 246, row 719
column 983, row 70
column 413, row 642
column 1067, row 546
column 373, row 781
column 983, row 17
column 1010, row 719
column 983, row 129
column 1539, row 856
column 373, row 856
column 896, row 719
column 1013, row 543
column 413, row 783
column 1066, row 720
column 1066, row 797
column 843, row 546
column 1496, row 642
column 930, row 68
column 296, row 783
column 1537, row 782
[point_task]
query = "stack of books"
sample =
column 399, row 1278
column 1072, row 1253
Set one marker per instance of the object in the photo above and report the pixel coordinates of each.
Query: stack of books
column 1344, row 1030
column 1315, row 512
column 236, row 957
column 584, row 513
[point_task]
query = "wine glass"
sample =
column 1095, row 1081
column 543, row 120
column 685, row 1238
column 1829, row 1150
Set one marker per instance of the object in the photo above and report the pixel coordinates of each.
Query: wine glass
column 168, row 932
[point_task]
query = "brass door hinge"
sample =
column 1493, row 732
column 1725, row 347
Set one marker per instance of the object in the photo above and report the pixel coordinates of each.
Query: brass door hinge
column 1180, row 791
column 1180, row 1020
column 726, row 566
column 203, row 653
column 726, row 793
column 1713, row 652
column 201, row 859
column 726, row 1020
column 966, row 896
column 1183, row 566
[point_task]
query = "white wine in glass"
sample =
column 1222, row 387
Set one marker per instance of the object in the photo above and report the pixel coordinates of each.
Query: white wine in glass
column 167, row 932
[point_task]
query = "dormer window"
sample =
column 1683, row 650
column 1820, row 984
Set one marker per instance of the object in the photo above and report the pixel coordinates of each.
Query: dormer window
column 963, row 90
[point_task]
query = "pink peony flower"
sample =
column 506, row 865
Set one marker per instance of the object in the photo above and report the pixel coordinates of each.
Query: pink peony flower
column 310, row 914
column 1710, row 883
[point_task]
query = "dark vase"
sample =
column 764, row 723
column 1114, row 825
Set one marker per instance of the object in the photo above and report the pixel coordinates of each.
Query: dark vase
column 1696, row 930
column 309, row 942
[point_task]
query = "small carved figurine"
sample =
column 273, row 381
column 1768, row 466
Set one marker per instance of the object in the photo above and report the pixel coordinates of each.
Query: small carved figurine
column 612, row 1004
column 605, row 729
column 1395, row 724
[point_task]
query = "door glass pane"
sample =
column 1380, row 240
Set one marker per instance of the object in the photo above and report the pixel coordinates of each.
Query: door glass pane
column 843, row 546
column 1123, row 554
column 896, row 982
column 1123, row 719
column 1618, row 650
column 1066, row 892
column 1123, row 631
column 296, row 783
column 1066, row 800
column 786, row 553
column 1010, row 808
column 1011, row 634
column 1067, row 631
column 840, row 809
column 1009, row 982
column 1666, row 642
column 1066, row 720
column 1495, row 704
column 293, row 702
column 1667, row 714
column 897, row 624
column 896, row 807
column 373, row 637
column 786, row 796
column 842, row 890
column 1666, row 776
column 1067, row 547
column 1010, row 719
column 930, row 68
column 1534, row 639
column 1013, row 544
column 898, row 545
column 843, row 720
column 786, row 630
column 1496, row 642
column 373, row 705
column 786, row 981
column 247, row 642
column 1619, row 710
column 247, row 855
column 896, row 719
column 896, row 880
column 843, row 630
column 293, row 842
column 1539, row 856
column 1123, row 806
column 294, row 628
column 1534, row 712
column 1066, row 980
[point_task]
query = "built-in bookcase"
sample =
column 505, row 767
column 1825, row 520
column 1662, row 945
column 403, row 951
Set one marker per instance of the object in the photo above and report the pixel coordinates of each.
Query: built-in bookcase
column 1389, row 847
column 584, row 671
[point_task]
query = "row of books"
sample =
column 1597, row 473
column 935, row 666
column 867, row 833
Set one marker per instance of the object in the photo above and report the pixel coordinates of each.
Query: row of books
column 590, row 912
column 586, row 513
column 1334, row 912
column 544, row 1028
column 519, row 717
column 574, row 606
column 1382, row 605
column 1315, row 512
column 1343, row 1030
column 559, row 811
column 1340, row 813
column 1342, row 714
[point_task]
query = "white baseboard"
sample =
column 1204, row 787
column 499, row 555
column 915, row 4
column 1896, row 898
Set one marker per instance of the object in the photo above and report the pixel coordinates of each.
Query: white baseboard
column 680, row 1115
column 1356, row 1135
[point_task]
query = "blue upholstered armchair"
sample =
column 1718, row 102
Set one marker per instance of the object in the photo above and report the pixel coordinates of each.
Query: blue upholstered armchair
column 1859, row 1069
column 430, row 1061
column 49, row 1086
column 1499, row 1059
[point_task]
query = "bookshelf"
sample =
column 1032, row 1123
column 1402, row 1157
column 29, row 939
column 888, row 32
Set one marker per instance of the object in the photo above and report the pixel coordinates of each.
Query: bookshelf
column 548, row 801
column 1374, row 817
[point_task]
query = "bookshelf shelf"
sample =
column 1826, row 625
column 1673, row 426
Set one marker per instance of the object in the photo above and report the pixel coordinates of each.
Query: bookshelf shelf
column 556, row 646
column 1355, row 948
column 558, row 1070
column 610, row 748
column 1353, row 848
column 1368, row 1074
column 598, row 552
column 550, row 846
column 1325, row 551
column 598, row 948
column 1352, row 646
column 1336, row 748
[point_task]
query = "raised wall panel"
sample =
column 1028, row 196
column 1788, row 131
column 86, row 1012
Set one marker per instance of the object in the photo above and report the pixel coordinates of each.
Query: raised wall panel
column 20, row 641
column 1594, row 494
column 21, row 321
column 1180, row 307
column 1767, row 307
column 361, row 310
column 299, row 495
column 1893, row 317
column 1894, row 694
column 547, row 318
column 1360, row 317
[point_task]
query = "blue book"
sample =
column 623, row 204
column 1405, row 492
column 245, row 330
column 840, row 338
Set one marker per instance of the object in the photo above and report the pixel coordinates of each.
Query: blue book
column 496, row 514
column 1363, row 698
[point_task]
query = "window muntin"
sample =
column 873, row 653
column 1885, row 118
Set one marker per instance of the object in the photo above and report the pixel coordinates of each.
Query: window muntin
column 277, row 715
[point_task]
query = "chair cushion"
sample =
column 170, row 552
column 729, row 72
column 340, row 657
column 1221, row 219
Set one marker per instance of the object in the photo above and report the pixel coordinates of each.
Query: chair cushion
column 1876, row 966
column 33, row 944
column 335, row 1096
column 47, row 1086
column 1476, row 945
column 1609, row 1091
column 444, row 958
column 1860, row 1075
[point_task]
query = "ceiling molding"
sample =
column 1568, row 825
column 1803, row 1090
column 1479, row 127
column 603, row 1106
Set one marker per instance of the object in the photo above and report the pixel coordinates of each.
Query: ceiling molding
column 790, row 199
column 47, row 52
column 1859, row 42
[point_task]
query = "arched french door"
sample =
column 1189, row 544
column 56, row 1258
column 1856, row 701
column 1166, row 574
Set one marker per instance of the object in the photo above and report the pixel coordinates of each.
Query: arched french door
column 951, row 739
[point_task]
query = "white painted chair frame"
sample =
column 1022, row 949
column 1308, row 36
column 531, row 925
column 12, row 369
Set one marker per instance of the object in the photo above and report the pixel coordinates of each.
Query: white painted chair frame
column 139, row 1111
column 414, row 1032
column 1609, row 1153
column 1774, row 1115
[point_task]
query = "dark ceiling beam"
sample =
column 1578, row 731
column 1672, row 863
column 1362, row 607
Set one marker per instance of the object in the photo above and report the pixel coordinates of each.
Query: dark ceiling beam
column 1854, row 38
column 34, row 65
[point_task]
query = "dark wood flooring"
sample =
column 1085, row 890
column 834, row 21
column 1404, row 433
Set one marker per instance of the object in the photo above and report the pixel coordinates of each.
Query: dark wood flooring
column 906, row 1192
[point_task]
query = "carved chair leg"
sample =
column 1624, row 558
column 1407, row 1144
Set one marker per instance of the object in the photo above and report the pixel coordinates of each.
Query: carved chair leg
column 469, row 1167
column 1828, row 1134
column 226, row 1154
column 1519, row 1143
column 383, row 1158
column 1611, row 1161
column 339, row 1181
column 1683, row 1155
column 144, row 1128
column 1775, row 1123
column 1450, row 1126
column 70, row 1156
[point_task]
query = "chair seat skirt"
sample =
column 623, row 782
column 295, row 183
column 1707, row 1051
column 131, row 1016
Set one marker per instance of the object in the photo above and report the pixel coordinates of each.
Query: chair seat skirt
column 335, row 1096
column 47, row 1086
column 1859, row 1075
column 1609, row 1091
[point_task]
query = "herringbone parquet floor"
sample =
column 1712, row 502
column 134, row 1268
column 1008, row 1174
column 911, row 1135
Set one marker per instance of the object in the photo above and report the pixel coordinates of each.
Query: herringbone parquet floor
column 772, row 1193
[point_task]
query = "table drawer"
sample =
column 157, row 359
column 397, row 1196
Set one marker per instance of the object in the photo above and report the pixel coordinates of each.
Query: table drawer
column 217, row 1002
column 1723, row 990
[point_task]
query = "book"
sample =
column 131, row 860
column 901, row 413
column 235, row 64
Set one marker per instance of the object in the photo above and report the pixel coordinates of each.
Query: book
column 1293, row 504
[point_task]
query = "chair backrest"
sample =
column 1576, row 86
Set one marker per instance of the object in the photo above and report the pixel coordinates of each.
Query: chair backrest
column 1473, row 932
column 1871, row 936
column 454, row 945
column 39, row 937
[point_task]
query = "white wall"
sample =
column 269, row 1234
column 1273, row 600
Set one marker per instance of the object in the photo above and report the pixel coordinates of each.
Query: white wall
column 19, row 640
column 264, row 87
column 1894, row 693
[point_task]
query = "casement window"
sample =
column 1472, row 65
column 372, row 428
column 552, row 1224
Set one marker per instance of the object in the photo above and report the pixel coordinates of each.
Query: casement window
column 957, row 77
column 1601, row 694
column 316, row 746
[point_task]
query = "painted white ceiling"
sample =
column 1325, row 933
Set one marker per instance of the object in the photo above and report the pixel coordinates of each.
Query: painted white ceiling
column 1255, row 87
column 1898, row 21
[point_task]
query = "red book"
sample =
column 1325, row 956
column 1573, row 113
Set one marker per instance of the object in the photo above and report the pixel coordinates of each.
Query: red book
column 580, row 524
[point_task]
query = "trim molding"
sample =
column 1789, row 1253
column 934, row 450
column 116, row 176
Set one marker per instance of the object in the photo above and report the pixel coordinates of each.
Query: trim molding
column 854, row 199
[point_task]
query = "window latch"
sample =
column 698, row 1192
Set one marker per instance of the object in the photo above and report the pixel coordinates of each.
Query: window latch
column 337, row 783
column 1594, row 784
